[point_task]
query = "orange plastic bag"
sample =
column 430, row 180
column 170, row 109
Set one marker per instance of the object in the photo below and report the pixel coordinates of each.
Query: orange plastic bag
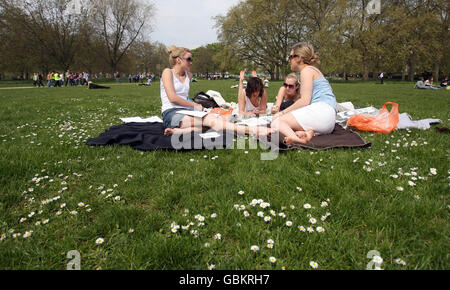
column 384, row 122
column 221, row 111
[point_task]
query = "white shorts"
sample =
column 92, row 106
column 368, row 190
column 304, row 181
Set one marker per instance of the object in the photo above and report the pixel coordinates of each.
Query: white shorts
column 319, row 117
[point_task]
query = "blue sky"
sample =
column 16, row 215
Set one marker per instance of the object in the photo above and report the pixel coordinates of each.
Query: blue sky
column 187, row 23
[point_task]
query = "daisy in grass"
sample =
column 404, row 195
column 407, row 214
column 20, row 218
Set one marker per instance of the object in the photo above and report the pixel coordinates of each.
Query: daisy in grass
column 324, row 204
column 218, row 237
column 99, row 241
column 313, row 221
column 307, row 206
column 254, row 248
column 246, row 214
column 289, row 224
column 433, row 171
column 241, row 192
column 270, row 241
column 302, row 228
column 400, row 262
column 272, row 260
column 211, row 267
column 267, row 219
column 260, row 214
column 213, row 216
column 27, row 234
column 314, row 265
column 310, row 230
column 320, row 229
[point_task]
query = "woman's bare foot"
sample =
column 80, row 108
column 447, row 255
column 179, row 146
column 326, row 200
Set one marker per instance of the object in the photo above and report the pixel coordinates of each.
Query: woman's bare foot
column 179, row 131
column 306, row 135
column 299, row 137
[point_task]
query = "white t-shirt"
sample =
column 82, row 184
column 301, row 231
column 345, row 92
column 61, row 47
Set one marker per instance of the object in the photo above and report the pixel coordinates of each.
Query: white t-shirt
column 249, row 107
column 181, row 89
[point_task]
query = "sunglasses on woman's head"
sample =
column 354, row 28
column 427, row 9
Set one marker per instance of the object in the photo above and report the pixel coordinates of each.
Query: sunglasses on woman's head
column 288, row 86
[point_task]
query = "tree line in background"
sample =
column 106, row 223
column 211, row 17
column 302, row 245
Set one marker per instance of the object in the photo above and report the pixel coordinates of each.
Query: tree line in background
column 95, row 36
column 406, row 38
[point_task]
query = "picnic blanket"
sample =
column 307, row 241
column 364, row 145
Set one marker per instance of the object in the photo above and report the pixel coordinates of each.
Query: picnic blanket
column 150, row 137
column 339, row 138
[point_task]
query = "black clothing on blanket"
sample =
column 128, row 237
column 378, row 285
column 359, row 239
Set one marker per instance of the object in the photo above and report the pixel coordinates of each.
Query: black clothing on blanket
column 339, row 138
column 93, row 86
column 150, row 137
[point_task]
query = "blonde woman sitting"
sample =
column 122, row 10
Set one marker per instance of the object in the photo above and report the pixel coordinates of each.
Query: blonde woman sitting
column 175, row 85
column 315, row 112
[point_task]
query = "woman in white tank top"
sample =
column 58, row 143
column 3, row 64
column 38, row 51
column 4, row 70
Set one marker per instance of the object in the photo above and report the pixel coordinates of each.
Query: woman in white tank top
column 175, row 84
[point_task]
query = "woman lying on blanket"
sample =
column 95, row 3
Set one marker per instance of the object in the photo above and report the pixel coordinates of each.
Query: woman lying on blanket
column 315, row 112
column 252, row 99
column 175, row 84
column 288, row 94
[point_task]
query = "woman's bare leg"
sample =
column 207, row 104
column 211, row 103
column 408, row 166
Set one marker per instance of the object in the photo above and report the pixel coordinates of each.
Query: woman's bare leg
column 287, row 125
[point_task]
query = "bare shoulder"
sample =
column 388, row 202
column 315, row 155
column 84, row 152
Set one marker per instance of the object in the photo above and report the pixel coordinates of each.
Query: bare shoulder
column 167, row 72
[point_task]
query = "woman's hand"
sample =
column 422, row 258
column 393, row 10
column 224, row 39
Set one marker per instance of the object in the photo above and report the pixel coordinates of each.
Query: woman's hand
column 242, row 76
column 278, row 115
column 275, row 110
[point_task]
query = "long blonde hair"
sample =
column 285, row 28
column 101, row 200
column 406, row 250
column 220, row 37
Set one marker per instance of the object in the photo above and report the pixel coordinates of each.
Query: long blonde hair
column 293, row 76
column 175, row 52
column 306, row 51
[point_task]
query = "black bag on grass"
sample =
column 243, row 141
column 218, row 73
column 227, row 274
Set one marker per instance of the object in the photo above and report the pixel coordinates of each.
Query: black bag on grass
column 205, row 100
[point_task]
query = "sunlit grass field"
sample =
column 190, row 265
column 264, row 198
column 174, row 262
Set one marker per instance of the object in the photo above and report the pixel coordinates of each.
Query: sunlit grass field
column 121, row 208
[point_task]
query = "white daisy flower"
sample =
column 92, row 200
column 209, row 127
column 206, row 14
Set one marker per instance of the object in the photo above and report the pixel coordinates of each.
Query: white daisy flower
column 211, row 267
column 302, row 228
column 314, row 265
column 27, row 234
column 307, row 206
column 260, row 214
column 399, row 188
column 299, row 189
column 254, row 248
column 241, row 192
column 324, row 204
column 117, row 198
column 433, row 171
column 377, row 260
column 218, row 237
column 99, row 241
column 289, row 224
column 267, row 219
column 310, row 230
column 214, row 215
column 207, row 245
column 246, row 214
column 81, row 204
column 272, row 260
column 313, row 221
column 400, row 262
column 282, row 215
column 320, row 229
column 270, row 246
column 410, row 183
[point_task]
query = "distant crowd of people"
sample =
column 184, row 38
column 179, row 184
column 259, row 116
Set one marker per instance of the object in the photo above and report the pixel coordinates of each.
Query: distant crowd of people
column 56, row 79
column 429, row 84
column 140, row 78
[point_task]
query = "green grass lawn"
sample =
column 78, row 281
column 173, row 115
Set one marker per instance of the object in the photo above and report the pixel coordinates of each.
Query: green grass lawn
column 69, row 195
